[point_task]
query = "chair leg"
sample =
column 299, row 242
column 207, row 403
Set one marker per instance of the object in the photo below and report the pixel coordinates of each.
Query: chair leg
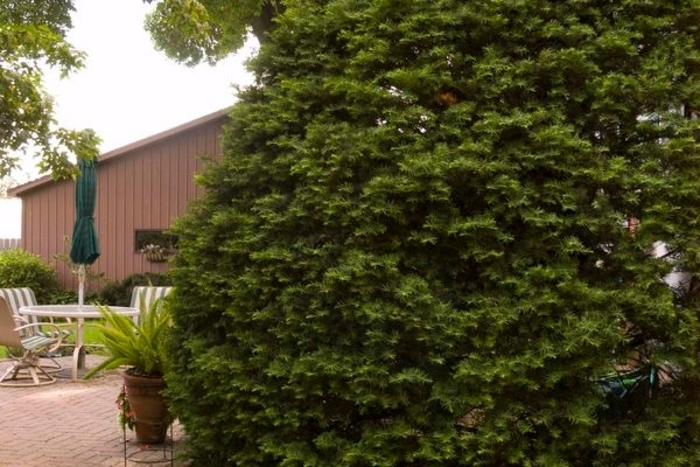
column 13, row 369
column 38, row 379
column 51, row 366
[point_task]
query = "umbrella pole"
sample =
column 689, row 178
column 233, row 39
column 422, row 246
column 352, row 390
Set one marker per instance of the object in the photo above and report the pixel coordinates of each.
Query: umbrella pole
column 79, row 352
column 81, row 285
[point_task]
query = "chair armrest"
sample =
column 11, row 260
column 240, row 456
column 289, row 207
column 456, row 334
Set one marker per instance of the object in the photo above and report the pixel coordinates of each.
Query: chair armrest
column 20, row 320
column 66, row 328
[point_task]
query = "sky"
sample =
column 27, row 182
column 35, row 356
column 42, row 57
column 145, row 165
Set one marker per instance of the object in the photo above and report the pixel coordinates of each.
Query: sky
column 127, row 90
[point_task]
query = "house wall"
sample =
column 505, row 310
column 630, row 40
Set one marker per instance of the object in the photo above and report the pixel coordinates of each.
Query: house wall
column 146, row 187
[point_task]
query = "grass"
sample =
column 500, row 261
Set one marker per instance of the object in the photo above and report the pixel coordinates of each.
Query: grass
column 91, row 337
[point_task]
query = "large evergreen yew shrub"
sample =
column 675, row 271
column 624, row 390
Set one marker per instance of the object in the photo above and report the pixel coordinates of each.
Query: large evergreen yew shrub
column 416, row 251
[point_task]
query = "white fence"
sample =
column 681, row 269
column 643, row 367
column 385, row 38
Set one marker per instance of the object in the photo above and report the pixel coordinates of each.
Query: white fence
column 8, row 243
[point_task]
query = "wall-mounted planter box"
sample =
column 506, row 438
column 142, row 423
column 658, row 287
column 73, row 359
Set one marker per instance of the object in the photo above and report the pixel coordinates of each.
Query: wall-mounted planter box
column 156, row 256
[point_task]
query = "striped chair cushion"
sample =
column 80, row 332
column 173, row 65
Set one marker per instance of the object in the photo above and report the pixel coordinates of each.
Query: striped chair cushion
column 38, row 341
column 19, row 297
column 150, row 294
column 24, row 296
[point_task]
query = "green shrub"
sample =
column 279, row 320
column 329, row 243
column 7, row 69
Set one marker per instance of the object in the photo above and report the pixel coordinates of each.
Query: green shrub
column 19, row 268
column 119, row 293
column 415, row 253
column 67, row 297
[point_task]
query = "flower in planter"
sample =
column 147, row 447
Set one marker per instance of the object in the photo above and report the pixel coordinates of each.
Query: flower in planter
column 154, row 248
column 126, row 416
column 155, row 252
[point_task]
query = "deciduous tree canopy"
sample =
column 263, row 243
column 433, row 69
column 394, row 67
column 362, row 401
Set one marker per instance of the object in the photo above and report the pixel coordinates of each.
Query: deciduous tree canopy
column 192, row 31
column 32, row 35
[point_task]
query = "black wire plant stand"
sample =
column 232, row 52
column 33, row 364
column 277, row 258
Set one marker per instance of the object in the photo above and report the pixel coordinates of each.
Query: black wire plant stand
column 149, row 454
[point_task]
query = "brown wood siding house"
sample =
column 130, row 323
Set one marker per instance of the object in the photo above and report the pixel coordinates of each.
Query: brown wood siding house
column 143, row 186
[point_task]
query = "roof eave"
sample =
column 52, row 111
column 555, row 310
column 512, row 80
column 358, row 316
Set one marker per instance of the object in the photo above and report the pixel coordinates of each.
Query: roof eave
column 219, row 114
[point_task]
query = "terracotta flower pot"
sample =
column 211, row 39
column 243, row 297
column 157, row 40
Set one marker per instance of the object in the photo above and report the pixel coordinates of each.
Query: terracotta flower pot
column 151, row 418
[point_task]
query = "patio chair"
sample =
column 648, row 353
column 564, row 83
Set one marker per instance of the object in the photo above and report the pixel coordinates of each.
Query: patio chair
column 17, row 297
column 30, row 346
column 149, row 294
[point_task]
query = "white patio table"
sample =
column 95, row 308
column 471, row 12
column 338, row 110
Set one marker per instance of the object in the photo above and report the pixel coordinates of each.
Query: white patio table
column 79, row 313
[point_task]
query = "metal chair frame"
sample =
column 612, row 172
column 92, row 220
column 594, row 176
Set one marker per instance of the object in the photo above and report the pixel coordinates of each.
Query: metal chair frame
column 31, row 344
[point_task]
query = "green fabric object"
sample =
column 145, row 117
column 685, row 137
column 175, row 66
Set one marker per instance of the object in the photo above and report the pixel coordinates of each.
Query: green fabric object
column 85, row 247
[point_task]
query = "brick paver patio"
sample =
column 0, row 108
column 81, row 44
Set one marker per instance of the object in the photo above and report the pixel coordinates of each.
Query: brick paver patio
column 69, row 423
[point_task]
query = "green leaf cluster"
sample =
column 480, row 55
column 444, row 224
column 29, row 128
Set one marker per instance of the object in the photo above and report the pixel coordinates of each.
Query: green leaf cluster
column 19, row 268
column 416, row 250
column 196, row 31
column 140, row 345
column 33, row 37
column 119, row 293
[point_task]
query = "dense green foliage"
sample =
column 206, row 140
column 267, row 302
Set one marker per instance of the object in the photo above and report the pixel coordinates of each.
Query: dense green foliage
column 415, row 251
column 19, row 268
column 70, row 297
column 32, row 36
column 119, row 293
column 194, row 31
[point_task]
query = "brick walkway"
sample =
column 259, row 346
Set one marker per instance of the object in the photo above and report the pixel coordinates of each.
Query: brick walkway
column 69, row 423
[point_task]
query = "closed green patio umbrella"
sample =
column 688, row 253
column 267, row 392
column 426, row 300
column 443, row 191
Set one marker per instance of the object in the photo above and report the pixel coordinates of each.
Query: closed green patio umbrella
column 85, row 247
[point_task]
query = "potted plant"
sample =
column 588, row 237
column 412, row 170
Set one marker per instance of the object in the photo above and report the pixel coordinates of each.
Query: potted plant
column 140, row 347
